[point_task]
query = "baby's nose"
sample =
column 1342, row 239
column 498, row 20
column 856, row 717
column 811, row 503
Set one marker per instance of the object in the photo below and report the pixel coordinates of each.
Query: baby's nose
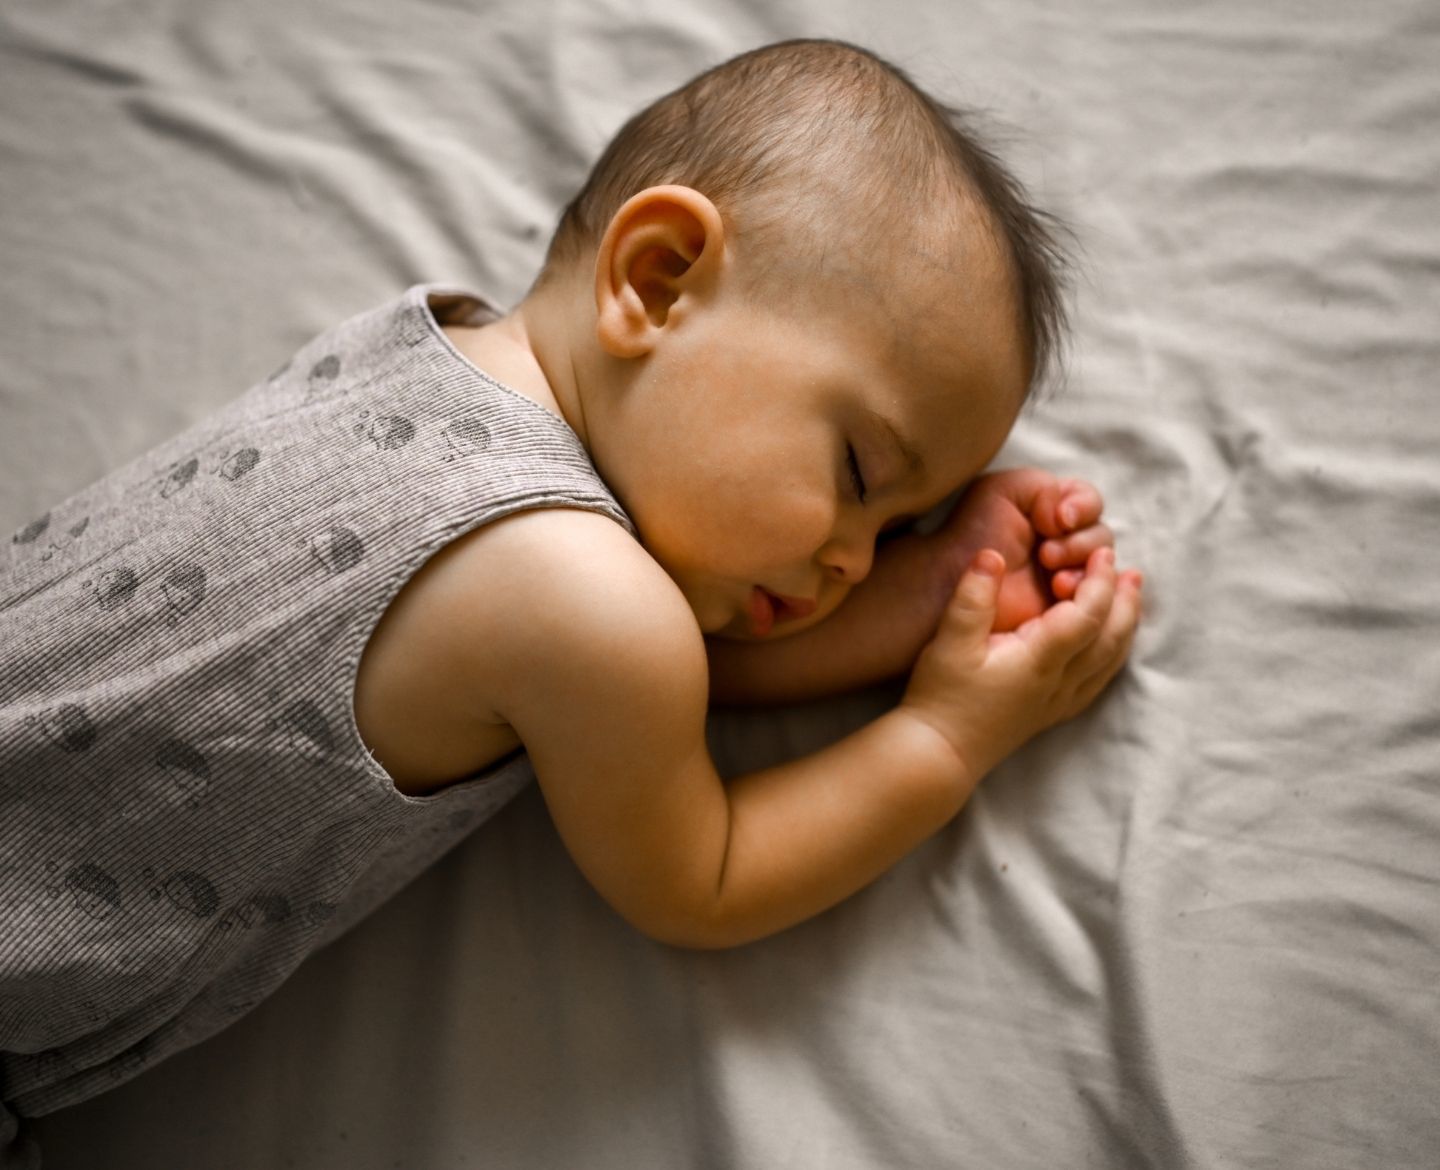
column 848, row 560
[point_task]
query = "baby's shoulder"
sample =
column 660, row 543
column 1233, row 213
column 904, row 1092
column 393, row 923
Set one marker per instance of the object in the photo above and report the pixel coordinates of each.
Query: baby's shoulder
column 524, row 606
column 564, row 605
column 538, row 591
column 578, row 563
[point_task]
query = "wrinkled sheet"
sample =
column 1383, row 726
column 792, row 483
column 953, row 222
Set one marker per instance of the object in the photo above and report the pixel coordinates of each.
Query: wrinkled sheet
column 1197, row 927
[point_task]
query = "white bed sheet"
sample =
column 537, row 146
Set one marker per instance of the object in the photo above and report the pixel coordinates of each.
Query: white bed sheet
column 1198, row 927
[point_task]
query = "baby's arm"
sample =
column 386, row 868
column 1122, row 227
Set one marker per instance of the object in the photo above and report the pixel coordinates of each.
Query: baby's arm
column 587, row 649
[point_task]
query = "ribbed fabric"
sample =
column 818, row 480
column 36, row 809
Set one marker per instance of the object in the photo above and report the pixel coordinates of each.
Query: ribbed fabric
column 186, row 807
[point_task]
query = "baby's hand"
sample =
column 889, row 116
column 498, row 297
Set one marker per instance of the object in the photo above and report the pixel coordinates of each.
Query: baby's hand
column 1044, row 527
column 986, row 693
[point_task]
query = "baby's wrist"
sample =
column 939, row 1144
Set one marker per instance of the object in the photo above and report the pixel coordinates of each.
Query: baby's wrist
column 929, row 745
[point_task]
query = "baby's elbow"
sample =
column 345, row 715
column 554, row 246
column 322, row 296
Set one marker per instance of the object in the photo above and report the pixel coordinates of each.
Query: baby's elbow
column 684, row 931
column 694, row 940
column 691, row 928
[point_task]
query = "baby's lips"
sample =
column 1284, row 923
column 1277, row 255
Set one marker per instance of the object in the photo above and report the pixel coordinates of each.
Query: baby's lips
column 789, row 609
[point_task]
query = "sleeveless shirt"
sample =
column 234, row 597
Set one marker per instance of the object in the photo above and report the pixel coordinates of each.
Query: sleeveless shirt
column 186, row 807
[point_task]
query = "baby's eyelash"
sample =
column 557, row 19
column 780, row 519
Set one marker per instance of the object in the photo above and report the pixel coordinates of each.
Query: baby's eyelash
column 857, row 481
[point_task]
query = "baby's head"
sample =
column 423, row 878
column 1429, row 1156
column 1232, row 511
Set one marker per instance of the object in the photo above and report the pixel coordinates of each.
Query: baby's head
column 808, row 303
column 815, row 151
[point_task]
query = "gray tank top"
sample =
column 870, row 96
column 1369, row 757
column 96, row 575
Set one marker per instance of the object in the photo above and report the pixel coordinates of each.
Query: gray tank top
column 186, row 807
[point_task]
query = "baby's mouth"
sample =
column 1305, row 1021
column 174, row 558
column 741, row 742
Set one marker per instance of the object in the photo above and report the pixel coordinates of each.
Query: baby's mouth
column 789, row 609
column 766, row 609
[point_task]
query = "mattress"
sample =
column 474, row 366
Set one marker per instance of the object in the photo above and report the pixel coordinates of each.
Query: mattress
column 1197, row 927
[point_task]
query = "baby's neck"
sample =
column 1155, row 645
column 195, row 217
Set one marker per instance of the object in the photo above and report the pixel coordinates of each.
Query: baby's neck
column 506, row 349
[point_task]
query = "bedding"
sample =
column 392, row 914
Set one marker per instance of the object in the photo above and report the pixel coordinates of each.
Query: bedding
column 1197, row 927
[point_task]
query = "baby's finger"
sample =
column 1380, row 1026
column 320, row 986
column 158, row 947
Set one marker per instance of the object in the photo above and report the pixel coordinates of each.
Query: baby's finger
column 1105, row 657
column 971, row 612
column 1066, row 628
column 1076, row 548
column 1096, row 592
column 1064, row 583
column 1064, row 506
column 1081, row 505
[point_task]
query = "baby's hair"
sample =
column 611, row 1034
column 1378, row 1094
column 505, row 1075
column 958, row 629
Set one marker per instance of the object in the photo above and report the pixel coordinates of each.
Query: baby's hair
column 762, row 131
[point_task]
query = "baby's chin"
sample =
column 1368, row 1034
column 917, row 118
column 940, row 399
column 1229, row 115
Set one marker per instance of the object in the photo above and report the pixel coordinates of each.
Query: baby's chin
column 737, row 626
column 736, row 630
column 739, row 630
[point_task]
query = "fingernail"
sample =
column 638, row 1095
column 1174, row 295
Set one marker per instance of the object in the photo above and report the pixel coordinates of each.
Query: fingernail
column 989, row 563
column 1067, row 515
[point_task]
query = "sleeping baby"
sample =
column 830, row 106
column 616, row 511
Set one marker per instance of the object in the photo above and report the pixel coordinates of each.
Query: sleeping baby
column 256, row 680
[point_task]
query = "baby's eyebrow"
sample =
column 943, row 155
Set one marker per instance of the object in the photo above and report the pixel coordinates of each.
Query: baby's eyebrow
column 908, row 451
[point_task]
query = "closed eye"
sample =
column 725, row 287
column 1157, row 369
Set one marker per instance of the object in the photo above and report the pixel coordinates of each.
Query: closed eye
column 897, row 526
column 857, row 480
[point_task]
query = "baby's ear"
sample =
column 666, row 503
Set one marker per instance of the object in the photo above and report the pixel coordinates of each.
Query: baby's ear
column 664, row 245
